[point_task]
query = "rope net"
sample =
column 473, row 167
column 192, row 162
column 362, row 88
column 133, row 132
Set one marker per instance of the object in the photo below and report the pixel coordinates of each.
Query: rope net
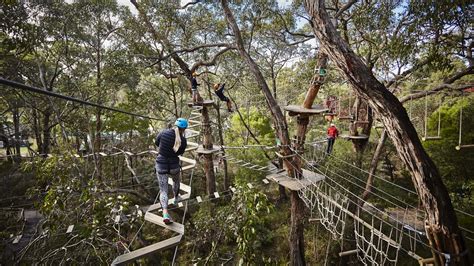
column 377, row 243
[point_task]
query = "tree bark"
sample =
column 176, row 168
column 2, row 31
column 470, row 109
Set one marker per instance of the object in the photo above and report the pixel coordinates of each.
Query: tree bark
column 373, row 165
column 441, row 218
column 207, row 143
column 316, row 81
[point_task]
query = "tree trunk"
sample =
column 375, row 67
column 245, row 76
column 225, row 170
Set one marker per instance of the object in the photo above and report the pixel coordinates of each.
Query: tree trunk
column 278, row 119
column 441, row 219
column 297, row 205
column 281, row 128
column 373, row 165
column 361, row 125
column 297, row 230
column 208, row 158
column 316, row 81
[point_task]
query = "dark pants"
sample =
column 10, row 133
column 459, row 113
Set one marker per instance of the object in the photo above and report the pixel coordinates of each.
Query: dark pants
column 330, row 144
column 220, row 94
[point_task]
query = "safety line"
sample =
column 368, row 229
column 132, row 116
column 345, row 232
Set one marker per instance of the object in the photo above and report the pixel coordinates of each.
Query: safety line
column 24, row 87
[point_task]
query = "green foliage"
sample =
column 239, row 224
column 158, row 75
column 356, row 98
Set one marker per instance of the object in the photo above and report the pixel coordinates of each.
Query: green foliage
column 70, row 198
column 244, row 221
column 238, row 136
column 454, row 165
column 251, row 207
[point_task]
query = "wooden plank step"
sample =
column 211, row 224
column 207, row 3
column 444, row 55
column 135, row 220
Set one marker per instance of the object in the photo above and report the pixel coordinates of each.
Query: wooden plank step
column 195, row 125
column 187, row 167
column 189, row 133
column 158, row 220
column 157, row 206
column 431, row 138
column 187, row 160
column 182, row 186
column 194, row 121
column 141, row 252
column 191, row 148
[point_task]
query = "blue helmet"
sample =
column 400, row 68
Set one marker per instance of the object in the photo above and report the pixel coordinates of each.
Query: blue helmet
column 181, row 123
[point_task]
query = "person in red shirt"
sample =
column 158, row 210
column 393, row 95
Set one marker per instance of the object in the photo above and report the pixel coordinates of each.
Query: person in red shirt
column 333, row 133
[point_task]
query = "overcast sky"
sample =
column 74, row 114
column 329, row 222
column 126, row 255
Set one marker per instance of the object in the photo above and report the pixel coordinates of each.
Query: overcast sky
column 183, row 2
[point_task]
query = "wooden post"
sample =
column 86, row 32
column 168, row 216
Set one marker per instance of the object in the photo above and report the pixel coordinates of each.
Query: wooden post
column 316, row 81
column 208, row 158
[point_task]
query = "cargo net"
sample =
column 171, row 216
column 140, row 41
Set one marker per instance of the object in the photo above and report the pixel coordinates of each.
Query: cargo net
column 330, row 206
column 378, row 242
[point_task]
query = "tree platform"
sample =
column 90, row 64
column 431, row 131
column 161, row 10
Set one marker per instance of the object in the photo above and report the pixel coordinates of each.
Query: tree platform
column 204, row 103
column 294, row 110
column 294, row 184
column 354, row 137
column 202, row 150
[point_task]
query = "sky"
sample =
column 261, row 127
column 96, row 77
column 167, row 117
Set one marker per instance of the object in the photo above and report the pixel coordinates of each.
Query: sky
column 283, row 3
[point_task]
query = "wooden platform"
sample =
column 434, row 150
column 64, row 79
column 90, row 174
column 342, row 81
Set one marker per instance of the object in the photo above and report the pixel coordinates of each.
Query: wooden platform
column 300, row 110
column 204, row 103
column 294, row 184
column 203, row 150
column 141, row 252
column 358, row 137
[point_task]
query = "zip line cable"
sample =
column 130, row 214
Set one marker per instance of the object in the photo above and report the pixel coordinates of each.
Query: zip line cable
column 24, row 87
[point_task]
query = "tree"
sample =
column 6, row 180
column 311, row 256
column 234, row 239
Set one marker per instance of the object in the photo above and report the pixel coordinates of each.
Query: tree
column 281, row 128
column 441, row 218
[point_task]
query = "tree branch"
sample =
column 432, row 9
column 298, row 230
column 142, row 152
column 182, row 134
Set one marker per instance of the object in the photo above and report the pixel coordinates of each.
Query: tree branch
column 344, row 8
column 409, row 71
column 212, row 61
column 437, row 89
column 189, row 4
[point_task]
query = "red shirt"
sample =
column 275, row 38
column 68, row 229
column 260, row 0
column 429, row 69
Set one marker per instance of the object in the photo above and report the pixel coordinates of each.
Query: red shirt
column 332, row 132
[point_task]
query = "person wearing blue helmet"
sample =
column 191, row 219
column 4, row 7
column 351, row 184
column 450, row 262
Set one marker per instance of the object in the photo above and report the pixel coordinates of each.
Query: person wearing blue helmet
column 171, row 143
